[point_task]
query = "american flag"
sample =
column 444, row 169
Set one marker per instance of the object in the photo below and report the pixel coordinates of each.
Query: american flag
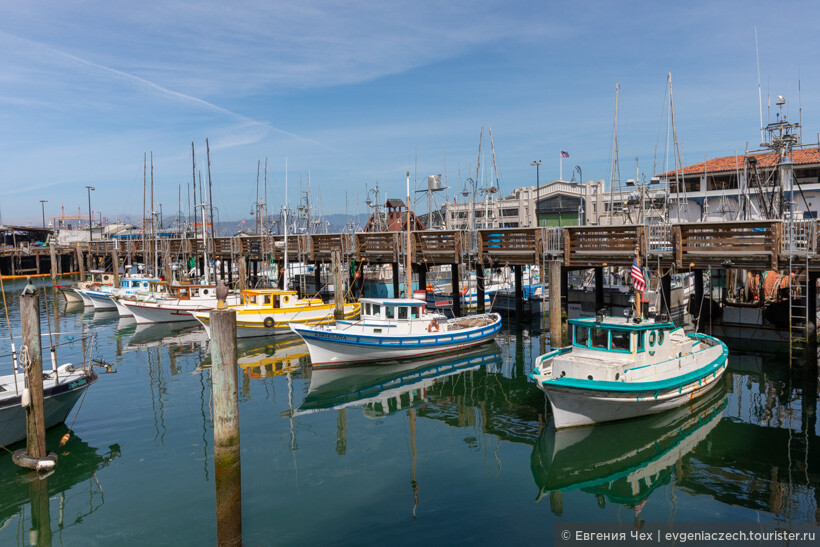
column 564, row 154
column 637, row 276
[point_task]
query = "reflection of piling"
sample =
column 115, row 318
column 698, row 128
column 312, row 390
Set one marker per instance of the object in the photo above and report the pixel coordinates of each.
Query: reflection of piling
column 33, row 368
column 228, row 477
column 338, row 284
column 40, row 533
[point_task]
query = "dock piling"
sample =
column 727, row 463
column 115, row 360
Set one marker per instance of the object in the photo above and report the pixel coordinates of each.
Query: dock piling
column 519, row 292
column 338, row 285
column 479, row 288
column 456, row 294
column 556, row 337
column 31, row 359
column 227, row 461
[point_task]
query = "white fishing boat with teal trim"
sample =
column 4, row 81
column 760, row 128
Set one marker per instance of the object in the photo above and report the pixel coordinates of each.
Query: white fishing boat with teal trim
column 618, row 368
column 391, row 329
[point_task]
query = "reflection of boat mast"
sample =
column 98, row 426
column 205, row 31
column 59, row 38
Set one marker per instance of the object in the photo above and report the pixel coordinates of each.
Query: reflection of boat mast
column 414, row 483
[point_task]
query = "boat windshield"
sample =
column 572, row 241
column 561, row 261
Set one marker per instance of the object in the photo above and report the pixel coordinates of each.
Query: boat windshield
column 581, row 336
column 599, row 338
column 390, row 312
column 403, row 312
column 620, row 340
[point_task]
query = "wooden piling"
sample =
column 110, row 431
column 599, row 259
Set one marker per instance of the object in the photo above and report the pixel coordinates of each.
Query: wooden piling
column 54, row 270
column 115, row 266
column 666, row 295
column 456, row 291
column 556, row 336
column 317, row 276
column 227, row 461
column 599, row 288
column 35, row 413
column 519, row 292
column 81, row 263
column 338, row 285
column 422, row 269
column 396, row 291
column 479, row 288
column 243, row 274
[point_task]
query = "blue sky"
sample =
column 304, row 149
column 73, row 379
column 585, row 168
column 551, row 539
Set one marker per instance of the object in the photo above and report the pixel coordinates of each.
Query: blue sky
column 356, row 92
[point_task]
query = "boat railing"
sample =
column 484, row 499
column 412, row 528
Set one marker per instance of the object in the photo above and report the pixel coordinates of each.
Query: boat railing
column 799, row 238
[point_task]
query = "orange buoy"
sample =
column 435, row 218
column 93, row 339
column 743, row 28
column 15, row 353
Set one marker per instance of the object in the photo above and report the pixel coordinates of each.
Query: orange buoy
column 65, row 439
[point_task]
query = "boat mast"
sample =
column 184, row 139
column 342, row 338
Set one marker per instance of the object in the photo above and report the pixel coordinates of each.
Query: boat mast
column 679, row 185
column 153, row 225
column 615, row 167
column 285, row 224
column 408, row 291
column 144, row 184
column 193, row 178
column 210, row 190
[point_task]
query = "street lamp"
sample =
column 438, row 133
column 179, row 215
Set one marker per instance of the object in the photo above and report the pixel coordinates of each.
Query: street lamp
column 90, row 221
column 537, row 164
column 43, row 207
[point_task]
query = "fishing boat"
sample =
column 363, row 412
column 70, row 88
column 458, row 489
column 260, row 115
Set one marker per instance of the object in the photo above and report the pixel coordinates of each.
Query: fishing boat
column 624, row 461
column 393, row 328
column 61, row 389
column 268, row 311
column 619, row 368
column 143, row 292
column 177, row 305
column 94, row 279
column 103, row 298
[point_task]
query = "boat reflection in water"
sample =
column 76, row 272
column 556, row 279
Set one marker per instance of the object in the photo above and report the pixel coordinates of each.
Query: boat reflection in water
column 165, row 334
column 386, row 388
column 625, row 461
column 59, row 499
column 277, row 356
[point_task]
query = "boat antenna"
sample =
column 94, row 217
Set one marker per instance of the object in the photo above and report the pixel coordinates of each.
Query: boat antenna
column 11, row 337
column 285, row 224
column 759, row 92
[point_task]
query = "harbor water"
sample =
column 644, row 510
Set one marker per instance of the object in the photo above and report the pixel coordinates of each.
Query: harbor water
column 452, row 450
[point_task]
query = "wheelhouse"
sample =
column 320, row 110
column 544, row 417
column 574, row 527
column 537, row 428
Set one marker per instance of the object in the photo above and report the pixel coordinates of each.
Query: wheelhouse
column 392, row 309
column 617, row 336
column 270, row 298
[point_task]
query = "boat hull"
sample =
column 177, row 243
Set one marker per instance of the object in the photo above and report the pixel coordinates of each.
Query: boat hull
column 251, row 324
column 333, row 348
column 57, row 403
column 100, row 300
column 70, row 294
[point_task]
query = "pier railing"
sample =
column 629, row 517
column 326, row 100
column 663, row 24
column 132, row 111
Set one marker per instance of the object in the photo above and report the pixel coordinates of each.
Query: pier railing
column 799, row 238
column 510, row 246
column 594, row 245
column 753, row 244
column 436, row 247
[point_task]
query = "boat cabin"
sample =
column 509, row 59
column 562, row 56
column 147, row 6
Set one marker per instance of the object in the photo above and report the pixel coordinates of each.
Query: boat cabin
column 185, row 291
column 276, row 299
column 99, row 276
column 392, row 309
column 139, row 284
column 618, row 335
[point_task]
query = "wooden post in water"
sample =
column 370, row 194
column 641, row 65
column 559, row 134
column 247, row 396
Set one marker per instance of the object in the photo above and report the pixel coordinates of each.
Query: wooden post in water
column 338, row 285
column 479, row 288
column 317, row 276
column 395, row 268
column 54, row 271
column 227, row 462
column 115, row 266
column 454, row 269
column 556, row 335
column 81, row 263
column 666, row 295
column 422, row 269
column 243, row 273
column 35, row 413
column 519, row 293
column 599, row 289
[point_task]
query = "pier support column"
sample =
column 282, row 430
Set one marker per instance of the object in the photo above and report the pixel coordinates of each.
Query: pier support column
column 37, row 262
column 54, row 269
column 395, row 267
column 564, row 288
column 230, row 271
column 243, row 273
column 317, row 275
column 422, row 269
column 666, row 295
column 338, row 285
column 227, row 461
column 456, row 290
column 519, row 292
column 115, row 267
column 599, row 288
column 479, row 288
column 556, row 335
column 81, row 263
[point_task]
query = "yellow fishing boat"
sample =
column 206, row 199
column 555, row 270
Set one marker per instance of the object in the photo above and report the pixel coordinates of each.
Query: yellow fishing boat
column 267, row 311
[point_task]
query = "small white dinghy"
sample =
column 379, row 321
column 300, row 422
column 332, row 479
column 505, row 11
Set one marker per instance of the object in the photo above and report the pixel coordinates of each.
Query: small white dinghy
column 617, row 368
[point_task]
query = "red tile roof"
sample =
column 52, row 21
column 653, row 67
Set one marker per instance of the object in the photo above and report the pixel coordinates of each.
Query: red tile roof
column 801, row 156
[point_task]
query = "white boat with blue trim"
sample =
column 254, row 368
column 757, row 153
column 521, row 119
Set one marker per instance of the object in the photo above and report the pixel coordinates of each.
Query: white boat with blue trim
column 618, row 368
column 391, row 329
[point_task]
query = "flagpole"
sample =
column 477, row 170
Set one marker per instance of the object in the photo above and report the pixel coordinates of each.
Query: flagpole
column 640, row 293
column 560, row 165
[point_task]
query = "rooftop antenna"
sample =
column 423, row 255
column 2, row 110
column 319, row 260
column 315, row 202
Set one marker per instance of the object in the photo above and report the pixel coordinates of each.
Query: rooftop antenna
column 759, row 92
column 799, row 108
